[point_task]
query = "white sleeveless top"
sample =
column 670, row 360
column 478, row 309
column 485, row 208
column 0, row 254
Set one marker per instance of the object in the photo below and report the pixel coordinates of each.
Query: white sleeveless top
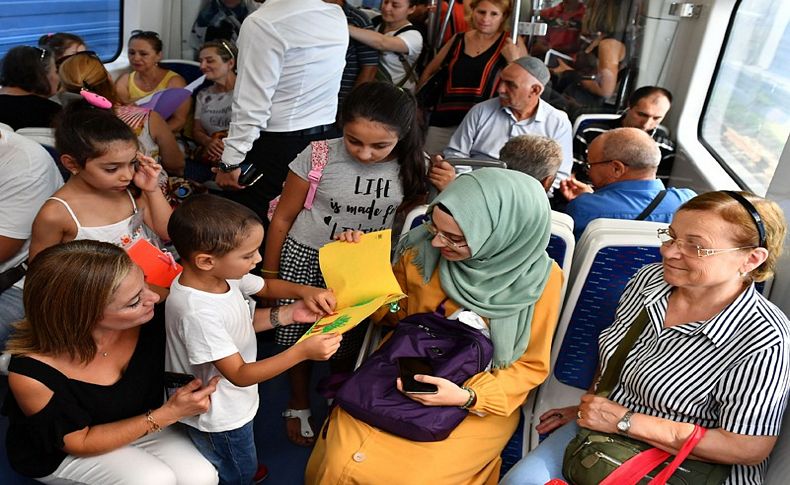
column 123, row 233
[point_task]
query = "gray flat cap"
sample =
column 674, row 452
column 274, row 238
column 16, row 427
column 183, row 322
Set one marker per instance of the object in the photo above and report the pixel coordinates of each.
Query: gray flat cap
column 536, row 67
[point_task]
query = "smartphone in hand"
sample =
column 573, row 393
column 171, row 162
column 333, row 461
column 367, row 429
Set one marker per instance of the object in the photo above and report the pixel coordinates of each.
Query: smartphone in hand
column 249, row 174
column 409, row 366
column 174, row 380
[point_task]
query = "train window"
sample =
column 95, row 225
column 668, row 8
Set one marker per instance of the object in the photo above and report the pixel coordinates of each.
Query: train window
column 746, row 121
column 98, row 22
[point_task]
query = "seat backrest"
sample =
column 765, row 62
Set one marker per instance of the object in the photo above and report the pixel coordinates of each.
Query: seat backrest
column 189, row 70
column 779, row 462
column 562, row 244
column 463, row 165
column 45, row 136
column 414, row 218
column 608, row 255
column 584, row 120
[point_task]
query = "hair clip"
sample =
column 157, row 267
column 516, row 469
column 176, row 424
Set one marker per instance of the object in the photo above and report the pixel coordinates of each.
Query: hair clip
column 95, row 99
column 227, row 49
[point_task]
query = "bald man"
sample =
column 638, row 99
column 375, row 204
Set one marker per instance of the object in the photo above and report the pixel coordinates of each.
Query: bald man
column 621, row 164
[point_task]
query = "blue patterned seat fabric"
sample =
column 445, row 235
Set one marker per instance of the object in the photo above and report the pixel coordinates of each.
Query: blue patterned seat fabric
column 612, row 268
column 556, row 249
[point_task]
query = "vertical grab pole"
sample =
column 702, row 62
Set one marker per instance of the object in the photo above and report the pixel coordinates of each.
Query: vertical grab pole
column 537, row 6
column 446, row 21
column 516, row 16
column 432, row 15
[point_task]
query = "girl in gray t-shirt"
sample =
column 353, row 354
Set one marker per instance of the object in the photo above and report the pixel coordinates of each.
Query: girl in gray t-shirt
column 373, row 171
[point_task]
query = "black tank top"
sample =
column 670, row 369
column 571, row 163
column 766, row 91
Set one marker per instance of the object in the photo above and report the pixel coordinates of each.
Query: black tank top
column 471, row 80
column 35, row 442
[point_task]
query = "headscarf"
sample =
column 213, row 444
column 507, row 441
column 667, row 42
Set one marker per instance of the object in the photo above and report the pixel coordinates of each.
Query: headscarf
column 506, row 219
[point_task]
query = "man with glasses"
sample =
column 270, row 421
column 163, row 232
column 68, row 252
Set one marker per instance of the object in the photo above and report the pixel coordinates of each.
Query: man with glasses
column 621, row 164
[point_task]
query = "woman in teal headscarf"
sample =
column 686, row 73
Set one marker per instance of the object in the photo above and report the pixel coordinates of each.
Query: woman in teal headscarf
column 483, row 249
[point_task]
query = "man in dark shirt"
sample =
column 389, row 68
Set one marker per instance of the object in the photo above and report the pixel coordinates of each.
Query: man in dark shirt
column 361, row 60
column 647, row 107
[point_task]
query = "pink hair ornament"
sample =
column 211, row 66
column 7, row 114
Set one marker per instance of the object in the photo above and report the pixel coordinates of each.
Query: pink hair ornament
column 95, row 99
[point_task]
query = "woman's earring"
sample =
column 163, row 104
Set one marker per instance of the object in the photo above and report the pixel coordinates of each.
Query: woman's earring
column 742, row 274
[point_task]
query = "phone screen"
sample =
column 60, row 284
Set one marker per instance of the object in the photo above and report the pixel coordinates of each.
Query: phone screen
column 249, row 174
column 174, row 380
column 409, row 366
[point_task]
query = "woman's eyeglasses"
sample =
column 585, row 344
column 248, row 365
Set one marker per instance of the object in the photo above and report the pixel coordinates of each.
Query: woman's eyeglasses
column 433, row 231
column 690, row 249
column 81, row 53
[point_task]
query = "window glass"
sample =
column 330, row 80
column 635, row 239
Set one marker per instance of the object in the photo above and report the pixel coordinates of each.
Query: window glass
column 747, row 117
column 98, row 22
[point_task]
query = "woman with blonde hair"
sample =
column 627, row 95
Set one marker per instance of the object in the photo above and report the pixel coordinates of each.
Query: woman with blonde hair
column 86, row 377
column 84, row 70
column 708, row 350
column 473, row 61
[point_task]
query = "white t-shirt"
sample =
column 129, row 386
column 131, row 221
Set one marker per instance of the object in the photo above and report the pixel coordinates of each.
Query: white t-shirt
column 28, row 175
column 413, row 40
column 205, row 327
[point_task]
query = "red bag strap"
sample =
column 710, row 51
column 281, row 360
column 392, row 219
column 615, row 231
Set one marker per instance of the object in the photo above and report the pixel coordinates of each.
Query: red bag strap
column 635, row 469
column 684, row 452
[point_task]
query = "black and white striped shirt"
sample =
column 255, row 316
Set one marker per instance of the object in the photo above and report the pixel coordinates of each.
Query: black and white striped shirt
column 730, row 372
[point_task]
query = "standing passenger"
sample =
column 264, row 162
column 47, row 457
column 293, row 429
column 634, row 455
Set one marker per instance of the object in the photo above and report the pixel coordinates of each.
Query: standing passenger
column 373, row 170
column 286, row 94
column 361, row 60
column 399, row 42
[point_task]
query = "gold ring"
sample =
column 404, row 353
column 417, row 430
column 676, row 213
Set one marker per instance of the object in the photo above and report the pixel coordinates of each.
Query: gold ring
column 579, row 414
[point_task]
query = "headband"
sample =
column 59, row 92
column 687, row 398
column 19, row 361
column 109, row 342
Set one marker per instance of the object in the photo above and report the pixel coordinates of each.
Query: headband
column 227, row 49
column 758, row 221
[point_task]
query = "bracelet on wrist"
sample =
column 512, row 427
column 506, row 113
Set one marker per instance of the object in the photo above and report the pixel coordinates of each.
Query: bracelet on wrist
column 152, row 424
column 472, row 397
column 274, row 317
column 268, row 271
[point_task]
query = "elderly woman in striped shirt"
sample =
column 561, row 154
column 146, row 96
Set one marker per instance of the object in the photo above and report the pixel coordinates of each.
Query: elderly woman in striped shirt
column 714, row 352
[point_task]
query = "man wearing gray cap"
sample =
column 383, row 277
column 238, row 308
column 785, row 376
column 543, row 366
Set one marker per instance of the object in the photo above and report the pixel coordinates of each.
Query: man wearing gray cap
column 517, row 111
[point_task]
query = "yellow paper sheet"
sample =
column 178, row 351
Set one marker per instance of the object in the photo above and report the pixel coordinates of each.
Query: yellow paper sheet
column 361, row 276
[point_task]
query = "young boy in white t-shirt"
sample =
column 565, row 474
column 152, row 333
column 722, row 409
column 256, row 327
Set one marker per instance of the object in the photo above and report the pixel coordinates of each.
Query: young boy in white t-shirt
column 211, row 324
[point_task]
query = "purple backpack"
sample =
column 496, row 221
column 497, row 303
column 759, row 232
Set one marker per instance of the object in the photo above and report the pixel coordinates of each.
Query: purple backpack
column 456, row 352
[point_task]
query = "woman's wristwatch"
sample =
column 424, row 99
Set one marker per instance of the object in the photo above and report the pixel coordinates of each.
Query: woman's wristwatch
column 624, row 425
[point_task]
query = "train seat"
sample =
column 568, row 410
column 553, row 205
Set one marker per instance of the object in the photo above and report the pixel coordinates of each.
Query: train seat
column 779, row 462
column 609, row 252
column 189, row 70
column 560, row 249
column 45, row 136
